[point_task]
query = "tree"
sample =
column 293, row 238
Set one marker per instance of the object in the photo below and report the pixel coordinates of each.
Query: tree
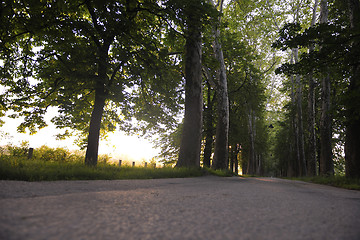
column 222, row 128
column 352, row 152
column 296, row 96
column 311, row 157
column 92, row 57
column 326, row 162
column 299, row 11
column 191, row 14
column 333, row 58
column 249, row 59
column 209, row 124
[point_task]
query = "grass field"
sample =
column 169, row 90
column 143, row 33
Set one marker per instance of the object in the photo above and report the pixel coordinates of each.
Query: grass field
column 51, row 164
column 15, row 168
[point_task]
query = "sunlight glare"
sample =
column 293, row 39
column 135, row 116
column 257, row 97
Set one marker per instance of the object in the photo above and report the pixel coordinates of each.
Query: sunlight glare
column 118, row 145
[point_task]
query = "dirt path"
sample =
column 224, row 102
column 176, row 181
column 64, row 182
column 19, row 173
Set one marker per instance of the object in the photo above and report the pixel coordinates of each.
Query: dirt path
column 191, row 208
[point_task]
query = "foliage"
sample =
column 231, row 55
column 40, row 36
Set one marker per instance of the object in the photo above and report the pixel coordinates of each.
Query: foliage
column 180, row 10
column 45, row 153
column 17, row 151
column 335, row 40
column 100, row 62
column 169, row 144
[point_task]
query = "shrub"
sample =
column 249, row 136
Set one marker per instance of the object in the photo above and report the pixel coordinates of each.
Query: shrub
column 17, row 151
column 46, row 153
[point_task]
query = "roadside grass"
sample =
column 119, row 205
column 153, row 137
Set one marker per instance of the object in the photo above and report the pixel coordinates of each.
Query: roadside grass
column 52, row 164
column 336, row 181
column 20, row 168
column 218, row 172
column 249, row 176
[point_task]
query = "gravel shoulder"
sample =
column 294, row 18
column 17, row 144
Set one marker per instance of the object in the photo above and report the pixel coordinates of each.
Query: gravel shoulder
column 190, row 208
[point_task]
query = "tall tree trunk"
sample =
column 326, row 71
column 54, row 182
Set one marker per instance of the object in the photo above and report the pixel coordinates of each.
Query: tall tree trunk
column 251, row 168
column 311, row 157
column 208, row 128
column 190, row 145
column 295, row 165
column 352, row 141
column 259, row 165
column 222, row 128
column 91, row 155
column 326, row 162
column 237, row 150
column 300, row 132
column 231, row 158
column 243, row 164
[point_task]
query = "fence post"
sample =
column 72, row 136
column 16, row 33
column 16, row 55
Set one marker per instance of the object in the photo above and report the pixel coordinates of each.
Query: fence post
column 120, row 163
column 145, row 164
column 30, row 153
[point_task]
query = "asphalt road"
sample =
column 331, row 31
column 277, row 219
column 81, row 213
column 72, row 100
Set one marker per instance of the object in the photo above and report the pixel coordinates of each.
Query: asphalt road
column 192, row 208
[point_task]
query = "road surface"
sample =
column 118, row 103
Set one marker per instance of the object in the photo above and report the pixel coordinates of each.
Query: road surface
column 191, row 208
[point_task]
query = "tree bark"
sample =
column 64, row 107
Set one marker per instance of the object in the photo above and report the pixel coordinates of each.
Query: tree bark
column 91, row 155
column 352, row 141
column 231, row 158
column 326, row 161
column 311, row 157
column 237, row 150
column 251, row 166
column 295, row 164
column 190, row 145
column 291, row 167
column 300, row 132
column 95, row 124
column 221, row 153
column 208, row 128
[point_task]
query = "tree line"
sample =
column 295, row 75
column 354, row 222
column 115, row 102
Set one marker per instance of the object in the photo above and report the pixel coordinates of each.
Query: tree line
column 323, row 75
column 212, row 64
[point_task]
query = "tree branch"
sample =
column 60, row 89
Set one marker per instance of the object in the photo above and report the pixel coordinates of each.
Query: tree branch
column 272, row 65
column 238, row 89
column 94, row 21
column 207, row 75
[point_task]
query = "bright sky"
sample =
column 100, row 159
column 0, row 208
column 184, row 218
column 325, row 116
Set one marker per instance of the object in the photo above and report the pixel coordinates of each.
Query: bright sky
column 118, row 145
